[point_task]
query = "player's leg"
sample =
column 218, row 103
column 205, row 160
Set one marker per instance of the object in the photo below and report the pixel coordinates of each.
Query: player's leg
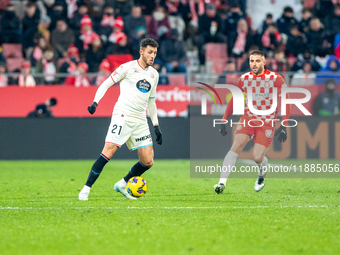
column 240, row 141
column 259, row 152
column 140, row 140
column 117, row 134
column 108, row 151
column 262, row 140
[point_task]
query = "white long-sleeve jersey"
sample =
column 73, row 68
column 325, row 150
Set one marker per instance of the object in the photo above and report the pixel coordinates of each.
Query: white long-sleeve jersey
column 137, row 89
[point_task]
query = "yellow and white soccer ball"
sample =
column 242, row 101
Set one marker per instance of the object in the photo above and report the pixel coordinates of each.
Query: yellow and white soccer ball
column 136, row 186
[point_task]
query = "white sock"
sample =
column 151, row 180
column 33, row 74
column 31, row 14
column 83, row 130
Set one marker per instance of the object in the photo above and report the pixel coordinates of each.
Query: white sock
column 263, row 171
column 228, row 162
column 86, row 188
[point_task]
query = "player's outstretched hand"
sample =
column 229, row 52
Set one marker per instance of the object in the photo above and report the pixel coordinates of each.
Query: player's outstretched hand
column 159, row 136
column 223, row 129
column 282, row 132
column 92, row 108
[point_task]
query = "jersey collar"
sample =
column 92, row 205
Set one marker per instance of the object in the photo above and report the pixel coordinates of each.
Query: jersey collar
column 141, row 66
column 266, row 71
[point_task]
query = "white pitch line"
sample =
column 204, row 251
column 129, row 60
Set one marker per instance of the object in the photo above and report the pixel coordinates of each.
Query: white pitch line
column 165, row 207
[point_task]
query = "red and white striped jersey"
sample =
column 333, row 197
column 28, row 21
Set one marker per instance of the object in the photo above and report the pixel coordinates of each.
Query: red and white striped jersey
column 262, row 92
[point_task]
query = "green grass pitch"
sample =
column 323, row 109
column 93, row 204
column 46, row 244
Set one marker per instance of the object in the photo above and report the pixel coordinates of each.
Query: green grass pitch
column 40, row 213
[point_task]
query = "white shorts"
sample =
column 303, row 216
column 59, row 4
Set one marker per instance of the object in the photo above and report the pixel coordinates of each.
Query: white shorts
column 135, row 135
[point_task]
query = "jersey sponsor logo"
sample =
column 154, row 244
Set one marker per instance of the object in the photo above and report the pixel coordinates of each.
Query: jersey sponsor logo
column 143, row 86
column 143, row 138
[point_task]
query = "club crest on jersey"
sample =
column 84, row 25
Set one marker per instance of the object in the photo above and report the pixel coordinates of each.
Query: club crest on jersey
column 268, row 133
column 143, row 86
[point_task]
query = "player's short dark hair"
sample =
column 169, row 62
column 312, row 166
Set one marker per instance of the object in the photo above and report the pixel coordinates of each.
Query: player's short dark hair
column 148, row 41
column 257, row 52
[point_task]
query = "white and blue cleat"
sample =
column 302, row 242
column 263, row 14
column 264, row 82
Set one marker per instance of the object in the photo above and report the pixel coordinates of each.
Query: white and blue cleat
column 121, row 188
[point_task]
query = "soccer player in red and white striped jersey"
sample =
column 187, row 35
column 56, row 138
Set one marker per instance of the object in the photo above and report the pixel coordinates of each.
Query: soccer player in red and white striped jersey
column 260, row 83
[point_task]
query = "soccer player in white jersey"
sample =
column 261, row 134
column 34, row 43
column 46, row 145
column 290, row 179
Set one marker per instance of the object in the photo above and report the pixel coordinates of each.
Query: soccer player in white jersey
column 261, row 82
column 138, row 82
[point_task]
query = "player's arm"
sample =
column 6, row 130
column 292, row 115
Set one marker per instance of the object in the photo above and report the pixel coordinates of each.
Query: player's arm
column 282, row 130
column 115, row 77
column 153, row 115
column 229, row 111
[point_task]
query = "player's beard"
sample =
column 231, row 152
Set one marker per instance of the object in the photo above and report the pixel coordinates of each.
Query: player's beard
column 259, row 70
column 145, row 61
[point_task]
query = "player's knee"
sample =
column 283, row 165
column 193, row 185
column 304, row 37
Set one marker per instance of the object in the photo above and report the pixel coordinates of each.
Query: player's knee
column 258, row 159
column 148, row 162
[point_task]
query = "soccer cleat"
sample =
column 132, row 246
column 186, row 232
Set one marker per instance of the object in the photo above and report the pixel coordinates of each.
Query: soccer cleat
column 120, row 187
column 219, row 188
column 84, row 194
column 259, row 184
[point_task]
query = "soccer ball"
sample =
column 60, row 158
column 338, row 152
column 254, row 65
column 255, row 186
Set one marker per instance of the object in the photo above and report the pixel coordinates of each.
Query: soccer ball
column 136, row 186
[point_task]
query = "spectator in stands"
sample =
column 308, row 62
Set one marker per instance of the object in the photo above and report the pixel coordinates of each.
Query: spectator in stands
column 328, row 102
column 78, row 76
column 271, row 39
column 103, row 73
column 3, row 75
column 322, row 8
column 245, row 65
column 85, row 36
column 332, row 23
column 173, row 53
column 332, row 70
column 48, row 7
column 268, row 21
column 58, row 13
column 286, row 21
column 32, row 16
column 122, row 7
column 72, row 60
column 316, row 37
column 96, row 9
column 78, row 16
column 240, row 40
column 304, row 23
column 62, row 37
column 146, row 5
column 229, row 75
column 304, row 77
column 48, row 66
column 32, row 34
column 25, row 78
column 117, row 40
column 135, row 29
column 39, row 50
column 95, row 54
column 306, row 57
column 296, row 42
column 210, row 29
column 234, row 15
column 279, row 63
column 10, row 26
column 175, row 17
column 159, row 21
column 107, row 22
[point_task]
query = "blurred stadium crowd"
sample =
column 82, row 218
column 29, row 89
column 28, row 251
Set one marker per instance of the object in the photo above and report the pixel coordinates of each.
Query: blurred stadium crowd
column 42, row 39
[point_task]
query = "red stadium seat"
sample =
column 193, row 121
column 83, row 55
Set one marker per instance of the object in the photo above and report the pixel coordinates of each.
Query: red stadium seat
column 116, row 60
column 176, row 79
column 217, row 53
column 12, row 50
column 14, row 63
